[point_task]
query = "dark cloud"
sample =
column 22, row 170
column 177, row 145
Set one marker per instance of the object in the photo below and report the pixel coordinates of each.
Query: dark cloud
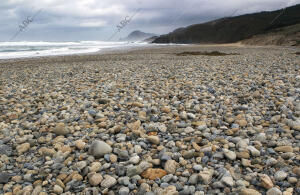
column 97, row 19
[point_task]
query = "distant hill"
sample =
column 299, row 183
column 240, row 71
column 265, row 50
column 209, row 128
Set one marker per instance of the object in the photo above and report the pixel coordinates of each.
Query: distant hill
column 235, row 29
column 138, row 36
column 151, row 39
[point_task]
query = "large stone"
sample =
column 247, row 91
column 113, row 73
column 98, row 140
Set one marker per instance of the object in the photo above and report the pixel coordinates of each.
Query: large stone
column 284, row 149
column 153, row 174
column 99, row 149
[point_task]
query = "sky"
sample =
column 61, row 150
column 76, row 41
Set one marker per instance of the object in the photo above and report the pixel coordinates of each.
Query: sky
column 88, row 20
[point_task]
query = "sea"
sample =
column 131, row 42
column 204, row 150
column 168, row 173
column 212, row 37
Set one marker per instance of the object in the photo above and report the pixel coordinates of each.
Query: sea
column 11, row 50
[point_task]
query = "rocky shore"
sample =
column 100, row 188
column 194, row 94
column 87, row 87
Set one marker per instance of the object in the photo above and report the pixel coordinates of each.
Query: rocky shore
column 152, row 122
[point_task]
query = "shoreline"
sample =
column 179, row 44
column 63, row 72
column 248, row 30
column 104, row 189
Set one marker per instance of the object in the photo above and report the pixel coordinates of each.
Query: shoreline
column 150, row 47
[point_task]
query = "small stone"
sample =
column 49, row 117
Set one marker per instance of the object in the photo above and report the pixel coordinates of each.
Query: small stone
column 95, row 179
column 292, row 180
column 229, row 154
column 266, row 181
column 253, row 150
column 167, row 178
column 280, row 175
column 228, row 180
column 153, row 139
column 243, row 154
column 206, row 175
column 296, row 170
column 134, row 160
column 124, row 191
column 108, row 181
column 249, row 192
column 134, row 126
column 57, row 189
column 113, row 158
column 288, row 191
column 99, row 149
column 193, row 179
column 122, row 154
column 95, row 167
column 242, row 144
column 171, row 166
column 79, row 144
column 246, row 162
column 189, row 130
column 134, row 170
column 60, row 129
column 37, row 190
column 170, row 190
column 274, row 191
column 4, row 177
column 23, row 148
column 77, row 177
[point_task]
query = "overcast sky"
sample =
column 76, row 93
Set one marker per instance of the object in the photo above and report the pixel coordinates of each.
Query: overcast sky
column 74, row 20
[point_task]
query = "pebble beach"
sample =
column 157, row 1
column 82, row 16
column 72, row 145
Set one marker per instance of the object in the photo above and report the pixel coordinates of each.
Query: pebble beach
column 152, row 122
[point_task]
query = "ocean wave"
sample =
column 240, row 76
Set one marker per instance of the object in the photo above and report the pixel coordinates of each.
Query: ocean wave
column 23, row 49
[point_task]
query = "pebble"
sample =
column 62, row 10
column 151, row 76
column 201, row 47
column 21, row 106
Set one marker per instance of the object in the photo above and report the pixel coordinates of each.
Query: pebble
column 151, row 124
column 229, row 154
column 153, row 139
column 4, row 177
column 99, row 149
column 57, row 189
column 171, row 166
column 274, row 191
column 284, row 149
column 253, row 150
column 266, row 181
column 80, row 144
column 124, row 191
column 23, row 148
column 108, row 181
column 249, row 192
column 61, row 129
column 95, row 179
column 280, row 175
